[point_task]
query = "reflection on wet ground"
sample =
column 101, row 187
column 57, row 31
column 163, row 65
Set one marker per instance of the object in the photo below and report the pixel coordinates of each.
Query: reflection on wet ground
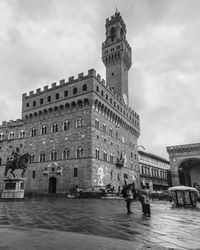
column 167, row 226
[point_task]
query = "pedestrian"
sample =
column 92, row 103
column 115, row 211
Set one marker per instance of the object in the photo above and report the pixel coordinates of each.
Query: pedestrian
column 129, row 198
column 145, row 201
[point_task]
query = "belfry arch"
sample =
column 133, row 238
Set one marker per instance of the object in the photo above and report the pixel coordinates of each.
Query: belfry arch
column 185, row 164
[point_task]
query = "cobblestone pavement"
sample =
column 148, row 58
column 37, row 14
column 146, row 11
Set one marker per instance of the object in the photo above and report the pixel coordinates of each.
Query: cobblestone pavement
column 174, row 228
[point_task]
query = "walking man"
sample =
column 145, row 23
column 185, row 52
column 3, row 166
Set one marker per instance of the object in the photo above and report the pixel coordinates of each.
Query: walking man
column 129, row 198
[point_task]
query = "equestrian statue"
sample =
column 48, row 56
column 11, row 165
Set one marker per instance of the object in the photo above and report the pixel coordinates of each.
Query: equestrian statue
column 19, row 161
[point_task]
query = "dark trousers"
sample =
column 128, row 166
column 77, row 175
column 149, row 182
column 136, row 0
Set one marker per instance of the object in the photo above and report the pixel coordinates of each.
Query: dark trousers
column 128, row 205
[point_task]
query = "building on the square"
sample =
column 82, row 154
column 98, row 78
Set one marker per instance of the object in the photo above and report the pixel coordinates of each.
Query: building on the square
column 80, row 131
column 185, row 164
column 154, row 171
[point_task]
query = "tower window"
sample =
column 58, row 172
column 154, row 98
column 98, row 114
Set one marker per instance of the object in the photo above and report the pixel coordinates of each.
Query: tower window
column 112, row 33
column 42, row 157
column 34, row 103
column 41, row 101
column 57, row 96
column 49, row 98
column 33, row 174
column 27, row 105
column 97, row 88
column 112, row 74
column 97, row 123
column 75, row 172
column 75, row 91
column 84, row 87
column 97, row 153
column 66, row 93
column 66, row 125
column 102, row 93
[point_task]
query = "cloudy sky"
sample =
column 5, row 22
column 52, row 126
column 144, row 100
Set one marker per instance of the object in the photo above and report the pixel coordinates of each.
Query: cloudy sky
column 43, row 41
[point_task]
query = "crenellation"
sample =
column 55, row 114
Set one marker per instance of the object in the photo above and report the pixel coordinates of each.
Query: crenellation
column 71, row 78
column 92, row 72
column 62, row 81
column 46, row 88
column 24, row 95
column 38, row 90
column 99, row 77
column 81, row 75
column 103, row 82
column 53, row 85
column 31, row 93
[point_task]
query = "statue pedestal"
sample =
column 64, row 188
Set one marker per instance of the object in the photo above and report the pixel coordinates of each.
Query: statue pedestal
column 13, row 188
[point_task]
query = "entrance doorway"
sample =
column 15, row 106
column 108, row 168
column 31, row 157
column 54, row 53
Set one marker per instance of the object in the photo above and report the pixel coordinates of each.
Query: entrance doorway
column 52, row 185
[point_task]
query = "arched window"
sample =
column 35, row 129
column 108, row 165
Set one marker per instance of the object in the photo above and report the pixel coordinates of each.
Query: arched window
column 111, row 158
column 42, row 157
column 1, row 136
column 32, row 158
column 34, row 103
column 79, row 122
column 75, row 172
column 66, row 125
column 49, row 98
column 55, row 128
column 112, row 33
column 105, row 156
column 75, row 91
column 66, row 93
column 104, row 128
column 79, row 153
column 21, row 134
column 111, row 131
column 66, row 154
column 53, row 156
column 44, row 130
column 97, row 153
column 57, row 96
column 97, row 123
column 41, row 101
column 84, row 87
column 11, row 135
column 33, row 132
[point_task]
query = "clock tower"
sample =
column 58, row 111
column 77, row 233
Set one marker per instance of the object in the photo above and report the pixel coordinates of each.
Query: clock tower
column 116, row 56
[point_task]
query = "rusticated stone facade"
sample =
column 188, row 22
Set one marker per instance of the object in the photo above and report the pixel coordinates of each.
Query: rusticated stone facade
column 77, row 132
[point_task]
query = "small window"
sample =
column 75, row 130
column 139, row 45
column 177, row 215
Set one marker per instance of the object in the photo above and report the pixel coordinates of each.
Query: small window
column 32, row 158
column 97, row 88
column 33, row 174
column 55, row 128
column 57, row 96
column 0, row 161
column 84, row 87
column 97, row 123
column 105, row 156
column 49, row 98
column 111, row 158
column 110, row 131
column 106, row 97
column 41, row 101
column 34, row 103
column 75, row 91
column 66, row 93
column 97, row 153
column 66, row 154
column 75, row 172
column 111, row 100
column 104, row 128
column 102, row 93
column 27, row 105
column 42, row 157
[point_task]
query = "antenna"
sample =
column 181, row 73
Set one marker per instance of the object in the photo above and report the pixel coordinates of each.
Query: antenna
column 116, row 10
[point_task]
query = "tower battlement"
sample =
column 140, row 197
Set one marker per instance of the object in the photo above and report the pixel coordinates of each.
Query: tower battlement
column 115, row 18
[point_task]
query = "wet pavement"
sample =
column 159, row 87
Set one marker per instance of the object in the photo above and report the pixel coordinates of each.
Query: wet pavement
column 173, row 228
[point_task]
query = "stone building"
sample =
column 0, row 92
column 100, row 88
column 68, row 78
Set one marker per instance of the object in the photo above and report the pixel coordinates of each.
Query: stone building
column 80, row 131
column 154, row 171
column 185, row 164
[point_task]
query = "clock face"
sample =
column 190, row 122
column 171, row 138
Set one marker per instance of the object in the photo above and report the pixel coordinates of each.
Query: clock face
column 125, row 98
